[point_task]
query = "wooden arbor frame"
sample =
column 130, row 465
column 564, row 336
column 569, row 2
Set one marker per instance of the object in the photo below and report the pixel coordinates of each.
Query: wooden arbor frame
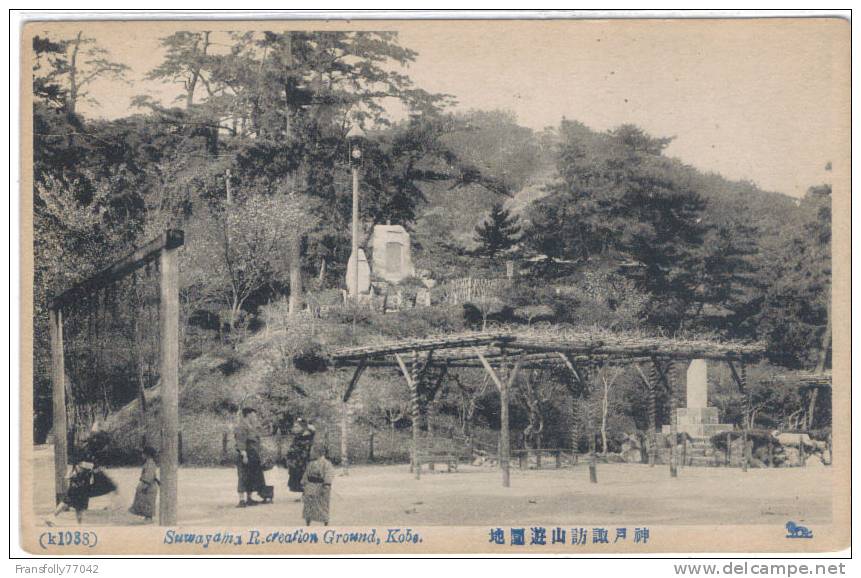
column 503, row 354
column 164, row 249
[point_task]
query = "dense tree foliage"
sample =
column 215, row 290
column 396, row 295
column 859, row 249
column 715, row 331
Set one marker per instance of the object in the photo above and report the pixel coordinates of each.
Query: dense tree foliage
column 251, row 161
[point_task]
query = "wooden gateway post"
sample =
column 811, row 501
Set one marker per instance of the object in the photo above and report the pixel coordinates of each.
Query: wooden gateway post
column 169, row 317
column 58, row 384
column 164, row 249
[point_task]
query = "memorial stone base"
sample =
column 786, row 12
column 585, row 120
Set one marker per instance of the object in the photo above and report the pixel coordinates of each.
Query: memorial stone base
column 698, row 422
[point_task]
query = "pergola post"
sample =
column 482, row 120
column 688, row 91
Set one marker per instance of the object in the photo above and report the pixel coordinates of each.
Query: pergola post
column 504, row 429
column 575, row 401
column 740, row 377
column 58, row 387
column 671, row 384
column 169, row 317
column 345, row 458
column 503, row 386
column 653, row 411
column 411, row 375
column 416, row 413
column 345, row 416
column 746, row 456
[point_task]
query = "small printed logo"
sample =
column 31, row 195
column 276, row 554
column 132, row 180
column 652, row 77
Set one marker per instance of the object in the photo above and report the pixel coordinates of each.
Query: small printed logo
column 793, row 530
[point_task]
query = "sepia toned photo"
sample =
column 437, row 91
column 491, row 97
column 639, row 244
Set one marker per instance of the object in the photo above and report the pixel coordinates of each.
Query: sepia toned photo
column 496, row 287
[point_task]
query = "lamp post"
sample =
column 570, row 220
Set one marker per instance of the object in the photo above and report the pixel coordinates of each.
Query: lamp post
column 354, row 138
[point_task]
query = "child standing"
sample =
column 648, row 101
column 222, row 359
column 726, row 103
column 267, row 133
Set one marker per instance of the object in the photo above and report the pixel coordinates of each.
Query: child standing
column 147, row 490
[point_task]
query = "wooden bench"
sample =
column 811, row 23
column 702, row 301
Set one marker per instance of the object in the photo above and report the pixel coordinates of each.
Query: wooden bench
column 432, row 457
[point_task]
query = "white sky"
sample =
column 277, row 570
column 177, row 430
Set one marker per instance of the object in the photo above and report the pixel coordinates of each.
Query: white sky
column 765, row 100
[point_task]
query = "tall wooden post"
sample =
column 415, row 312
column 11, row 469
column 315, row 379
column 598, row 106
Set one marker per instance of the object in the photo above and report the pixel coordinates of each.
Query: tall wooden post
column 504, row 441
column 672, row 376
column 503, row 383
column 414, row 407
column 653, row 420
column 345, row 458
column 745, row 450
column 58, row 386
column 728, row 450
column 169, row 317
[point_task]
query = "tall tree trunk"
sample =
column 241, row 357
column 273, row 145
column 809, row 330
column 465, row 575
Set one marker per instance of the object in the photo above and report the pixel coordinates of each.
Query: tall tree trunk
column 295, row 302
column 826, row 340
column 191, row 85
column 72, row 98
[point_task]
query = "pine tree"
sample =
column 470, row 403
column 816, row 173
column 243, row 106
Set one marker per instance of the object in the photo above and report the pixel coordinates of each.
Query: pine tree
column 498, row 233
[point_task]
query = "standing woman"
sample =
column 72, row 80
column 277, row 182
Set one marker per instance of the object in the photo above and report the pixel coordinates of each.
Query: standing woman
column 147, row 490
column 248, row 463
column 317, row 487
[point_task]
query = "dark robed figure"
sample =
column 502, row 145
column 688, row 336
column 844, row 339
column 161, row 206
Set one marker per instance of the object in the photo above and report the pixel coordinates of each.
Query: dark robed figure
column 299, row 453
column 248, row 462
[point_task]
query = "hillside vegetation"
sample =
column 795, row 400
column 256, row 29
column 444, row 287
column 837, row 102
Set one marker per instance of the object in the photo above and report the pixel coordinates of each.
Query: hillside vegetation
column 597, row 229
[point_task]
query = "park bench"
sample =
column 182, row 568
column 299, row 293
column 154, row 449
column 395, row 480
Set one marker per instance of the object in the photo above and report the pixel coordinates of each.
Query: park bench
column 448, row 458
column 446, row 452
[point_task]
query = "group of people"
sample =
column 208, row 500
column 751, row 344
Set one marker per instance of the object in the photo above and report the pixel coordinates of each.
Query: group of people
column 86, row 479
column 310, row 473
column 309, row 470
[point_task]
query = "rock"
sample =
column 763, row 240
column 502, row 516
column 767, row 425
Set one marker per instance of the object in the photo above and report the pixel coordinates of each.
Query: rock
column 791, row 457
column 631, row 456
column 815, row 461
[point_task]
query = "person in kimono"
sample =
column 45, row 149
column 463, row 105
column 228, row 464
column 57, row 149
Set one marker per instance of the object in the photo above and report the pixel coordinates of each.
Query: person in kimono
column 317, row 487
column 147, row 490
column 249, row 466
column 85, row 478
column 77, row 497
column 299, row 453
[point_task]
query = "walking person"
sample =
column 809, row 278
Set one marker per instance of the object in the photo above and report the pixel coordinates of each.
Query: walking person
column 248, row 463
column 147, row 490
column 317, row 487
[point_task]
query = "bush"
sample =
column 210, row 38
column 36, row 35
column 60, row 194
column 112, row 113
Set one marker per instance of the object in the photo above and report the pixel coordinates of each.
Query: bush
column 759, row 437
column 420, row 322
column 311, row 359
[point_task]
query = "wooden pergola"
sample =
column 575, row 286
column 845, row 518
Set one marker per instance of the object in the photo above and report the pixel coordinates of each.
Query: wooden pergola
column 503, row 354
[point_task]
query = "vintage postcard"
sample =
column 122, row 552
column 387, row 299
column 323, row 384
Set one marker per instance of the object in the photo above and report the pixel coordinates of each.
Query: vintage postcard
column 497, row 287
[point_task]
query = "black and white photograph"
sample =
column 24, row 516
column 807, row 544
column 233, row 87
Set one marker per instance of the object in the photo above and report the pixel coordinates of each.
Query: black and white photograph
column 434, row 286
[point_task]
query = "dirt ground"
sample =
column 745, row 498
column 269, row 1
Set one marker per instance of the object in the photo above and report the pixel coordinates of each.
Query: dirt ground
column 387, row 495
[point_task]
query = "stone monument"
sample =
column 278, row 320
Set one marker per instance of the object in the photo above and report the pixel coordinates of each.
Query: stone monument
column 392, row 259
column 697, row 419
column 364, row 273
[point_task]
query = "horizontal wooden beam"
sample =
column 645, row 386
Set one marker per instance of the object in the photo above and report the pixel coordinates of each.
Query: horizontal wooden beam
column 170, row 239
column 529, row 360
column 427, row 344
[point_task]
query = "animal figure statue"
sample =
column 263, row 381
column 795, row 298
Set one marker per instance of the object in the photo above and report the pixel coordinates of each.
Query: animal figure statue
column 793, row 530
